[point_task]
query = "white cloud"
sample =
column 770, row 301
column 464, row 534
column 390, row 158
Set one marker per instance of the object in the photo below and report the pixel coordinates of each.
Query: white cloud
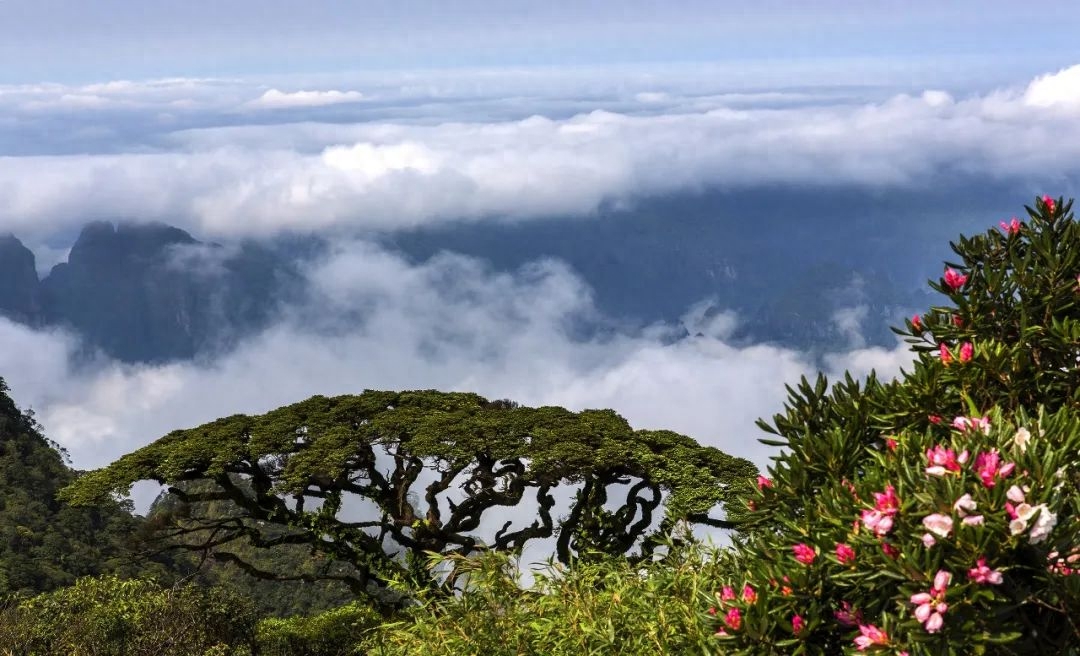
column 376, row 321
column 385, row 175
column 1061, row 89
column 849, row 322
column 276, row 99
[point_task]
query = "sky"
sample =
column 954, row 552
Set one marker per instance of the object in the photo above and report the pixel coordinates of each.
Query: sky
column 250, row 119
column 64, row 40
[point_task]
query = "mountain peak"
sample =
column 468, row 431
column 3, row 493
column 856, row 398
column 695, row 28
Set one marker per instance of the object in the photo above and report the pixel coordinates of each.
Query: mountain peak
column 104, row 243
column 19, row 293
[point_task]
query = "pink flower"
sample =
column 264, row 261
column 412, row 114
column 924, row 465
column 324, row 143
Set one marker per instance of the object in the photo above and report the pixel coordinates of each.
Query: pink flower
column 1012, row 227
column 847, row 616
column 1050, row 204
column 943, row 351
column 845, row 554
column 954, row 280
column 972, row 423
column 989, row 467
column 878, row 522
column 880, row 519
column 804, row 553
column 797, row 623
column 916, row 324
column 941, row 461
column 733, row 619
column 890, row 443
column 727, row 593
column 966, row 351
column 958, row 321
column 870, row 636
column 763, row 482
column 890, row 550
column 983, row 574
column 748, row 594
column 930, row 606
column 887, row 501
column 928, row 540
column 933, row 419
column 938, row 524
column 972, row 520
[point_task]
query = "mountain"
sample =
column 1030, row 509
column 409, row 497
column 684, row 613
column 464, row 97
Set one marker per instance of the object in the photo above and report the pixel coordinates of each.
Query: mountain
column 149, row 292
column 814, row 269
column 19, row 289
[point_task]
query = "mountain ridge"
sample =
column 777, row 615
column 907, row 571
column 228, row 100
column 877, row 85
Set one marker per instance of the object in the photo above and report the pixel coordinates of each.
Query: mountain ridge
column 128, row 289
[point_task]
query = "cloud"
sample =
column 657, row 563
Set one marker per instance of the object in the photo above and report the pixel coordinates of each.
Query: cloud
column 386, row 174
column 377, row 321
column 1061, row 89
column 275, row 99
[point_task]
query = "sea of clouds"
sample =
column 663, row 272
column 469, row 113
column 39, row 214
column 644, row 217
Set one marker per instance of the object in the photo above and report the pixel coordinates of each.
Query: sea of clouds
column 236, row 157
column 251, row 158
column 377, row 321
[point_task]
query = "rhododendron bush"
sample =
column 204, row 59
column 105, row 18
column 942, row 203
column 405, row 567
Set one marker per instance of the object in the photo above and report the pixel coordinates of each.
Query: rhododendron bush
column 937, row 513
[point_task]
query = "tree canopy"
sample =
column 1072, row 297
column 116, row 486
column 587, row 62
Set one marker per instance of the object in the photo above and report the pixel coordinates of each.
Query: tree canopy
column 370, row 481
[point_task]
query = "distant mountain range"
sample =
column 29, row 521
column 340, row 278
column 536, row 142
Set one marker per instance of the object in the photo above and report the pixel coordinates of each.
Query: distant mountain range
column 817, row 270
column 148, row 292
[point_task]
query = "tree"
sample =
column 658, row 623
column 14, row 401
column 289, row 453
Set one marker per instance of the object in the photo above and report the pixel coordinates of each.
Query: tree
column 935, row 514
column 370, row 482
column 44, row 543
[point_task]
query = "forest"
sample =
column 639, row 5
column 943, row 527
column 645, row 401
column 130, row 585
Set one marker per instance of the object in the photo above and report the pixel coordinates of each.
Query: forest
column 933, row 513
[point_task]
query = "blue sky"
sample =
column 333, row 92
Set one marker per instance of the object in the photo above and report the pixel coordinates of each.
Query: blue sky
column 77, row 41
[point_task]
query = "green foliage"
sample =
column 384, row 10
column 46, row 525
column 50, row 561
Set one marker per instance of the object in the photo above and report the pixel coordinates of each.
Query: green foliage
column 607, row 606
column 282, row 479
column 271, row 597
column 45, row 543
column 113, row 617
column 972, row 505
column 336, row 632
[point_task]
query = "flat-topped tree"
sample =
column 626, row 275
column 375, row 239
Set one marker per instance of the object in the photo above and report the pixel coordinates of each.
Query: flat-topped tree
column 372, row 481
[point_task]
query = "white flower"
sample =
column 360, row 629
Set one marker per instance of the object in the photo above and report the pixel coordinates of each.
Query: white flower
column 1026, row 511
column 1017, row 526
column 1044, row 523
column 1021, row 439
column 964, row 505
column 940, row 525
column 1015, row 494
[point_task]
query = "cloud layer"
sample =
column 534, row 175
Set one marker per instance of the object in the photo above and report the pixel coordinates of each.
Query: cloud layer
column 379, row 322
column 204, row 159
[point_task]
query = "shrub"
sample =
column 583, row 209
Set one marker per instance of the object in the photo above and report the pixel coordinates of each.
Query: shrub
column 608, row 606
column 936, row 514
column 113, row 617
column 336, row 632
